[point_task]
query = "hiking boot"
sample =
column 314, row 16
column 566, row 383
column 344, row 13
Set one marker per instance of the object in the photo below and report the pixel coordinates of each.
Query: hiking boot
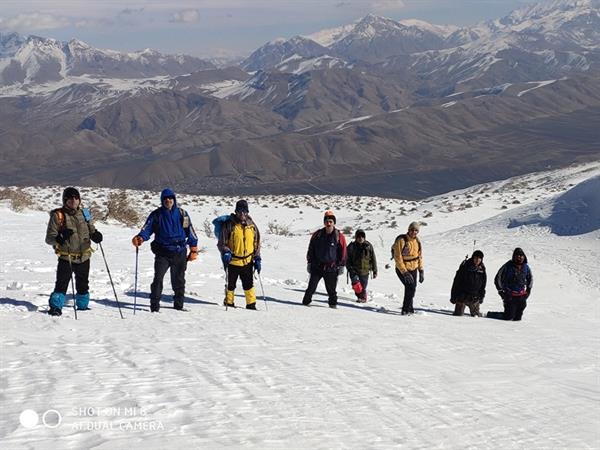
column 306, row 302
column 154, row 306
column 229, row 305
column 251, row 306
column 178, row 305
column 55, row 311
column 333, row 306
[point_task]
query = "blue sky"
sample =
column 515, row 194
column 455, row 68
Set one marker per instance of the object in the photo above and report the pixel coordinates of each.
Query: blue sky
column 221, row 27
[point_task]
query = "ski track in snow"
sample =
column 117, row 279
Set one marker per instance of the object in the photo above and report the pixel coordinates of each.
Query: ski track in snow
column 292, row 376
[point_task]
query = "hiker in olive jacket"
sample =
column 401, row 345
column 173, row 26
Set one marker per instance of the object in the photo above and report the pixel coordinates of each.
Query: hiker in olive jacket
column 468, row 288
column 361, row 261
column 70, row 231
column 408, row 256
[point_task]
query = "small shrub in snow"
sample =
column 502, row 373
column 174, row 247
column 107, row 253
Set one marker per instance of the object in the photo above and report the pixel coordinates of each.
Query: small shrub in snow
column 19, row 200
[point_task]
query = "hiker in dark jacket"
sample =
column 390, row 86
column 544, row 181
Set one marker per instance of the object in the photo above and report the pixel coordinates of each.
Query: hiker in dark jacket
column 326, row 258
column 70, row 231
column 514, row 281
column 239, row 244
column 173, row 231
column 468, row 288
column 361, row 261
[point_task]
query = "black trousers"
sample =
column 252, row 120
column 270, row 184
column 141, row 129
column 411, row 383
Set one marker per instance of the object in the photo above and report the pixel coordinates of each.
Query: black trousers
column 63, row 276
column 177, row 262
column 514, row 307
column 330, row 279
column 244, row 272
column 409, row 290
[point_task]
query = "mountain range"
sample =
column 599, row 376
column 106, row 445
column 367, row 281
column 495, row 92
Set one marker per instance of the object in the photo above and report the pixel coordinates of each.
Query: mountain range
column 382, row 107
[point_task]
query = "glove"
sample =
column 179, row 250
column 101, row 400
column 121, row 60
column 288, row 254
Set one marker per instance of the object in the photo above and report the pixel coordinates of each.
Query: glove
column 137, row 241
column 258, row 263
column 481, row 300
column 226, row 258
column 501, row 293
column 374, row 275
column 64, row 235
column 193, row 254
column 421, row 276
column 96, row 237
column 340, row 270
column 308, row 267
column 408, row 278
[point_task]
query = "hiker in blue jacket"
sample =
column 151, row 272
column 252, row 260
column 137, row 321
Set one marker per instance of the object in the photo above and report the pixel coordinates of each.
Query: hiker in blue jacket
column 173, row 231
column 514, row 281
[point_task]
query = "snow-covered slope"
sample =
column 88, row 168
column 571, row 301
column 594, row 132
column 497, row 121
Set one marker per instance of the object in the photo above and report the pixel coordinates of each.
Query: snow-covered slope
column 361, row 376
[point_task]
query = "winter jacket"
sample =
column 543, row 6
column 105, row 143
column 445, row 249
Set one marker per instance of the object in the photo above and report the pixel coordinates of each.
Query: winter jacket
column 361, row 259
column 78, row 247
column 172, row 229
column 408, row 254
column 513, row 279
column 469, row 282
column 326, row 252
column 242, row 240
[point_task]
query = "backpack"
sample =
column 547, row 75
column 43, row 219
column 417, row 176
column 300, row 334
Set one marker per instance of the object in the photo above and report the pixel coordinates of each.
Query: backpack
column 405, row 237
column 336, row 235
column 218, row 224
column 185, row 219
column 62, row 222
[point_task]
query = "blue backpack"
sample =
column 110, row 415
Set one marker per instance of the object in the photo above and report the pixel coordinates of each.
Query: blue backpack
column 218, row 224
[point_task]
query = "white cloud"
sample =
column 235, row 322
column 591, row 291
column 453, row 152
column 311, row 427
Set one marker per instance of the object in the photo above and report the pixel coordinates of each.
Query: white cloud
column 34, row 21
column 186, row 16
column 387, row 5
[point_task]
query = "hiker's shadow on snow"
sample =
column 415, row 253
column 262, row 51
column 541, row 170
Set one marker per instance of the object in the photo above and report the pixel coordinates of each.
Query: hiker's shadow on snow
column 11, row 301
column 346, row 304
column 443, row 312
column 169, row 298
column 144, row 295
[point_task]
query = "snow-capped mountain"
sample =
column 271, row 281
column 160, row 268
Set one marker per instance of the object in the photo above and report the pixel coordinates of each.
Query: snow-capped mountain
column 374, row 38
column 36, row 59
column 275, row 52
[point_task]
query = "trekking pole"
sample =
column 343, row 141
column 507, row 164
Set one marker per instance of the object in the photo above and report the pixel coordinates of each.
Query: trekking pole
column 263, row 292
column 111, row 281
column 226, row 283
column 72, row 282
column 137, row 253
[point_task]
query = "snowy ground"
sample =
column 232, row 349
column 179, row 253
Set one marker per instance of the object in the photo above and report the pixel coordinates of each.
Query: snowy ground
column 361, row 376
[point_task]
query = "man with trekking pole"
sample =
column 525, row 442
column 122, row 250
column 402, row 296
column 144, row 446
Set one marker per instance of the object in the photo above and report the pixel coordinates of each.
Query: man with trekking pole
column 70, row 231
column 173, row 231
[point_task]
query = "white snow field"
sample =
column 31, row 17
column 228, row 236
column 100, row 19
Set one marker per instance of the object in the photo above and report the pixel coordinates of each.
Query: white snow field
column 294, row 377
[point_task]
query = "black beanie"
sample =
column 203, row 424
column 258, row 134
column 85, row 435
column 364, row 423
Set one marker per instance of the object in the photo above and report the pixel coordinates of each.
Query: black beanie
column 360, row 233
column 241, row 206
column 477, row 254
column 68, row 193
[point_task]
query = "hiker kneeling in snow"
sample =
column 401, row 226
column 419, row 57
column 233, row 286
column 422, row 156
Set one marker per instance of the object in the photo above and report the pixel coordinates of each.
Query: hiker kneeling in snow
column 514, row 282
column 468, row 288
column 70, row 231
column 361, row 260
column 173, row 230
column 239, row 244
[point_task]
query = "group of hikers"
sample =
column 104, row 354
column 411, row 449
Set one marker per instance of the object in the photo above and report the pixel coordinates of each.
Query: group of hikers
column 71, row 230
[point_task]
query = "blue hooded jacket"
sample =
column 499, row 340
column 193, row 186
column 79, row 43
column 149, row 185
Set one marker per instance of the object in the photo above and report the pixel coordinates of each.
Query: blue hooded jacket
column 168, row 226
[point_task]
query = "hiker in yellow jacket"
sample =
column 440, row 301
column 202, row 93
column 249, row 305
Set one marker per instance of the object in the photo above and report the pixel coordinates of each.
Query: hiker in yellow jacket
column 408, row 255
column 239, row 244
